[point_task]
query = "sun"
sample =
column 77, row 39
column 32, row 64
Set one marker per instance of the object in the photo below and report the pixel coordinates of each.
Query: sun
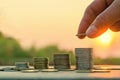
column 106, row 38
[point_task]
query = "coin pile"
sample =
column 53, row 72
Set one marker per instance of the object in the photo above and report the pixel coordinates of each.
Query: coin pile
column 41, row 63
column 84, row 58
column 61, row 61
column 49, row 70
column 30, row 71
column 21, row 65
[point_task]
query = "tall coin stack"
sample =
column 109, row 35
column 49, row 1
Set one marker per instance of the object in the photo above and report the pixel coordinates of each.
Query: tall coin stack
column 41, row 63
column 84, row 58
column 61, row 61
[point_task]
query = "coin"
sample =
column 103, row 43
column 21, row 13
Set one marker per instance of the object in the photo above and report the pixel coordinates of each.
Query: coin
column 41, row 63
column 49, row 70
column 61, row 61
column 84, row 71
column 84, row 58
column 67, row 69
column 21, row 65
column 9, row 69
column 30, row 71
column 101, row 71
column 82, row 34
column 92, row 71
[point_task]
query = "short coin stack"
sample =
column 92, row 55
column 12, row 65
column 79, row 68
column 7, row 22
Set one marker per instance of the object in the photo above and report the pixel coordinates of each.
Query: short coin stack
column 21, row 65
column 84, row 58
column 41, row 63
column 61, row 61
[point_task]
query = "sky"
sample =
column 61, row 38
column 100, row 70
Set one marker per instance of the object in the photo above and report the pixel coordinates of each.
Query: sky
column 45, row 22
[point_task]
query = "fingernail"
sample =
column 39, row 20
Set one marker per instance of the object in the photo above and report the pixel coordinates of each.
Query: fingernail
column 91, row 31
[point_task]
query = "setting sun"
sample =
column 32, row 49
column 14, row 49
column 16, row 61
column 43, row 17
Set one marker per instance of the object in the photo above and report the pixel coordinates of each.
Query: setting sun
column 106, row 38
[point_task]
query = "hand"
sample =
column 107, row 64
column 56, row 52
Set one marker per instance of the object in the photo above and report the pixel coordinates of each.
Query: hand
column 98, row 17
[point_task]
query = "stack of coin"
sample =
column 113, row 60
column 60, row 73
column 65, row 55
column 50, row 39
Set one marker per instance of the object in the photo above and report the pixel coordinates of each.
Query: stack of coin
column 9, row 69
column 84, row 58
column 41, row 63
column 61, row 61
column 21, row 65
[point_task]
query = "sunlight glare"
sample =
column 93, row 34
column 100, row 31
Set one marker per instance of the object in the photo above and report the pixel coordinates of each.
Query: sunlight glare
column 106, row 38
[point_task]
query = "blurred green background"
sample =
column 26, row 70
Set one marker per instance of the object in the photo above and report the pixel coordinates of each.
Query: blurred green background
column 11, row 52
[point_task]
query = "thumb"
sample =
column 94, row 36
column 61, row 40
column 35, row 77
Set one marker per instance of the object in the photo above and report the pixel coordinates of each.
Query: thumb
column 102, row 22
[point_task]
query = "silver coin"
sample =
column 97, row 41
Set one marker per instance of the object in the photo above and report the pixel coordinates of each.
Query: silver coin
column 49, row 70
column 82, row 34
column 30, row 71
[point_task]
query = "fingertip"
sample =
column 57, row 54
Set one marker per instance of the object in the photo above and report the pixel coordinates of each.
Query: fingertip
column 91, row 31
column 94, row 32
column 91, row 36
column 81, row 37
column 115, row 27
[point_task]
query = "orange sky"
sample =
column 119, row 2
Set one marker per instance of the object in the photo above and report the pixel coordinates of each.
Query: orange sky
column 44, row 22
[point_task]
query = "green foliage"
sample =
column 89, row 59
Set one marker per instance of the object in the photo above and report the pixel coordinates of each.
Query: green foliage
column 10, row 49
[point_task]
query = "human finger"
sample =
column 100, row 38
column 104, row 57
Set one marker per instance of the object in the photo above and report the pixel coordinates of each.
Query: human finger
column 92, row 11
column 104, row 20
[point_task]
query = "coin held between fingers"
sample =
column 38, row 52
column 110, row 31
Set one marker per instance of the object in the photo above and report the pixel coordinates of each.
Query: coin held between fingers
column 81, row 35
